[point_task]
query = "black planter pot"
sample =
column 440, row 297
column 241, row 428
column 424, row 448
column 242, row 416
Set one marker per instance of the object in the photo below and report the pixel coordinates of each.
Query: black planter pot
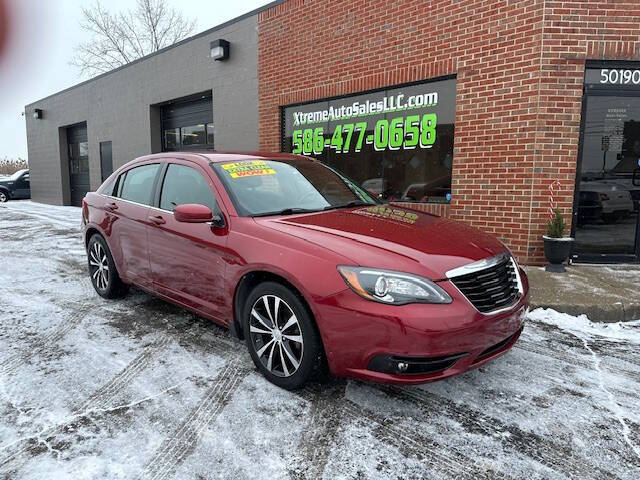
column 557, row 250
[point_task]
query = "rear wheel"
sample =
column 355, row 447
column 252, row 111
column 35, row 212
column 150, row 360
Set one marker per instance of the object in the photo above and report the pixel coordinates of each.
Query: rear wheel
column 4, row 196
column 281, row 336
column 102, row 269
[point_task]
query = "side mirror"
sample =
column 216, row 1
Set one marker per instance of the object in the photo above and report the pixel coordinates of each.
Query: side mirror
column 192, row 213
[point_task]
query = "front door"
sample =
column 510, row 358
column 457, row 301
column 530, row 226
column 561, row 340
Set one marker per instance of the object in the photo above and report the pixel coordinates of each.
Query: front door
column 78, row 148
column 187, row 259
column 606, row 219
column 22, row 186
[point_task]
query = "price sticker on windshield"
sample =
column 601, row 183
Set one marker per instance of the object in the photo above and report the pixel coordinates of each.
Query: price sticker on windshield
column 249, row 168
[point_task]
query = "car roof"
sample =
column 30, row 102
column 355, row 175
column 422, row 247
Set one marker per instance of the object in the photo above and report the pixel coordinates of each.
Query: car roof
column 206, row 157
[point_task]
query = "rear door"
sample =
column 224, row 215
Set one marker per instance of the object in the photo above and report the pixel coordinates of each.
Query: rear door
column 128, row 210
column 188, row 259
column 78, row 148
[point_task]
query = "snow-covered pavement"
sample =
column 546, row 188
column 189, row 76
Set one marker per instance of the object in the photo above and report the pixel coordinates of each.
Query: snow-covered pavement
column 139, row 388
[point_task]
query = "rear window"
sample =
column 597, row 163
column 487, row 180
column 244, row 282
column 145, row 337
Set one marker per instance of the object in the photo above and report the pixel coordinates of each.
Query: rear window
column 137, row 185
column 107, row 188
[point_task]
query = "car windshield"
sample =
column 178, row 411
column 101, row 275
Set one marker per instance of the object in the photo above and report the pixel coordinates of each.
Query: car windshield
column 262, row 187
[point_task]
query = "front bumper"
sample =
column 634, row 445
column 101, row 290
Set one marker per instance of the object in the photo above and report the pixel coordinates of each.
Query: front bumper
column 372, row 341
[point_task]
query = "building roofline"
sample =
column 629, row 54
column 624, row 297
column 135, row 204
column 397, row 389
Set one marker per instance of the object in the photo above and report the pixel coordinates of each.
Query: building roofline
column 162, row 50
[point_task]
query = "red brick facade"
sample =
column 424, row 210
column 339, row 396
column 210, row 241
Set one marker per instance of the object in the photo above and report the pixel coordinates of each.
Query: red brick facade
column 519, row 67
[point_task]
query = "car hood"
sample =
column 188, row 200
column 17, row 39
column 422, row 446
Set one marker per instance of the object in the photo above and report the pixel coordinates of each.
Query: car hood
column 392, row 238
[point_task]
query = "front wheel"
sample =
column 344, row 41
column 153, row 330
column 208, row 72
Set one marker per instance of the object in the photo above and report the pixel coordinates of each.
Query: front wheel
column 4, row 196
column 102, row 268
column 281, row 335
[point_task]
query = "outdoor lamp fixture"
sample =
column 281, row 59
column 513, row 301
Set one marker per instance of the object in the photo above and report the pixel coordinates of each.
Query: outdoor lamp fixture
column 219, row 50
column 37, row 114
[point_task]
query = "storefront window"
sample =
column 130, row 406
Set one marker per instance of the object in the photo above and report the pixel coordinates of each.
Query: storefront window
column 210, row 133
column 194, row 135
column 608, row 199
column 172, row 139
column 397, row 143
column 83, row 149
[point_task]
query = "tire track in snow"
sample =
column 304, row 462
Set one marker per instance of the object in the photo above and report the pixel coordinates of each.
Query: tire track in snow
column 318, row 438
column 543, row 450
column 97, row 401
column 411, row 443
column 322, row 435
column 175, row 449
column 110, row 390
column 45, row 342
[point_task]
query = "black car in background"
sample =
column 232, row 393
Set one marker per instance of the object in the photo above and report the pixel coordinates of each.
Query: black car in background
column 16, row 186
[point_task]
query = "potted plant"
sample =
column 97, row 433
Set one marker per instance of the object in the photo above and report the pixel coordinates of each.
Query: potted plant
column 557, row 247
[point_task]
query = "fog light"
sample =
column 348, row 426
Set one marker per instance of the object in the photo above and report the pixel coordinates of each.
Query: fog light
column 402, row 367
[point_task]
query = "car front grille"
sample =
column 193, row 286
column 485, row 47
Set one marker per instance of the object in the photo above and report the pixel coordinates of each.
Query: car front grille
column 491, row 284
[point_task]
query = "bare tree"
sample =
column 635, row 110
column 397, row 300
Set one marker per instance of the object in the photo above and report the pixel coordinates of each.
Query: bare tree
column 120, row 38
column 12, row 165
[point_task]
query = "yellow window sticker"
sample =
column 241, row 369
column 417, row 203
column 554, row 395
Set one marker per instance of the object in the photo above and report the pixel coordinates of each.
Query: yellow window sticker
column 248, row 168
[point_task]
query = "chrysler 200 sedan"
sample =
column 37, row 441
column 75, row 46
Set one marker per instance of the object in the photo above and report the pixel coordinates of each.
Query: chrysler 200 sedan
column 306, row 266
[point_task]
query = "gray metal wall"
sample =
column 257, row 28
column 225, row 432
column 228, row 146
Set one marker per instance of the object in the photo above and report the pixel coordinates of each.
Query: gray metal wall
column 118, row 107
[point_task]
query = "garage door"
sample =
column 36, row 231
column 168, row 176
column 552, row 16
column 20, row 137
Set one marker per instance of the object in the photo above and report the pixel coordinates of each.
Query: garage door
column 187, row 125
column 78, row 149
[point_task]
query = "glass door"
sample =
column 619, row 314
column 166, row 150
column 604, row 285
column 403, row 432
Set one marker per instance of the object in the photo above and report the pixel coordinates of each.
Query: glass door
column 608, row 185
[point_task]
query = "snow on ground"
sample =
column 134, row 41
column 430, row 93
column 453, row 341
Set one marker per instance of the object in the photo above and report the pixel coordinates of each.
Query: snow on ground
column 139, row 388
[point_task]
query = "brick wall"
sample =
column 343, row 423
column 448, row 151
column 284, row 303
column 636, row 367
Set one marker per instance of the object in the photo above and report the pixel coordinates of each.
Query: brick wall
column 574, row 31
column 519, row 67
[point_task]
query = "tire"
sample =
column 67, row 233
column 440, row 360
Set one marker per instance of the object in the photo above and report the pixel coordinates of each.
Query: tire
column 292, row 356
column 4, row 196
column 102, row 269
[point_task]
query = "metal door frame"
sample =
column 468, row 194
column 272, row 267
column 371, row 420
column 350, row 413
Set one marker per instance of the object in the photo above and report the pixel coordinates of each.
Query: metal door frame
column 600, row 92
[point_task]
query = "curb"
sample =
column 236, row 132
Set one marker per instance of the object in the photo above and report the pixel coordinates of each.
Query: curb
column 596, row 313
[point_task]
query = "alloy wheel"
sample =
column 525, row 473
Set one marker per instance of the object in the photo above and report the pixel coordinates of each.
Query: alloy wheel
column 276, row 335
column 99, row 266
column 3, row 197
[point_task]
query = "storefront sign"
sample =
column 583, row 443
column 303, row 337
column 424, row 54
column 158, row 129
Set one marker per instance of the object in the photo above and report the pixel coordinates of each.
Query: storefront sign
column 399, row 133
column 398, row 142
column 625, row 76
column 398, row 125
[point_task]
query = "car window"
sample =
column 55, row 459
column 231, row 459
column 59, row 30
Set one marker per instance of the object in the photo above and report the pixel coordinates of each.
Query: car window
column 184, row 184
column 17, row 175
column 137, row 184
column 108, row 187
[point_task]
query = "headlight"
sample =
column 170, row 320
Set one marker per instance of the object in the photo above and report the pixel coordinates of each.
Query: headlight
column 395, row 288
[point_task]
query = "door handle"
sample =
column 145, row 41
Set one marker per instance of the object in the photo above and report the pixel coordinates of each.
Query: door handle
column 158, row 220
column 111, row 206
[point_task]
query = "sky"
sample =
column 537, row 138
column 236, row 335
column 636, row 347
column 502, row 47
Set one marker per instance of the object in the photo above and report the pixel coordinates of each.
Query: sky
column 39, row 37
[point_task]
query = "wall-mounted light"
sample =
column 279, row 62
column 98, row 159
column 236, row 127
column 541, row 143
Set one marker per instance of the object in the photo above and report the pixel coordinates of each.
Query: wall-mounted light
column 37, row 113
column 219, row 50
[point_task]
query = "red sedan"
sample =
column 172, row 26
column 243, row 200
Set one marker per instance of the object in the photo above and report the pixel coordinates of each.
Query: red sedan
column 306, row 266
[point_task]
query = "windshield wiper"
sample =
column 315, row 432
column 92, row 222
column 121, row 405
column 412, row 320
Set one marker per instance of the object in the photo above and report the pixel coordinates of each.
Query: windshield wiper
column 353, row 203
column 286, row 211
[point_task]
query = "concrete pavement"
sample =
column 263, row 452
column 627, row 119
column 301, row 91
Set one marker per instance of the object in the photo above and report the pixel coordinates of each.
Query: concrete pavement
column 605, row 293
